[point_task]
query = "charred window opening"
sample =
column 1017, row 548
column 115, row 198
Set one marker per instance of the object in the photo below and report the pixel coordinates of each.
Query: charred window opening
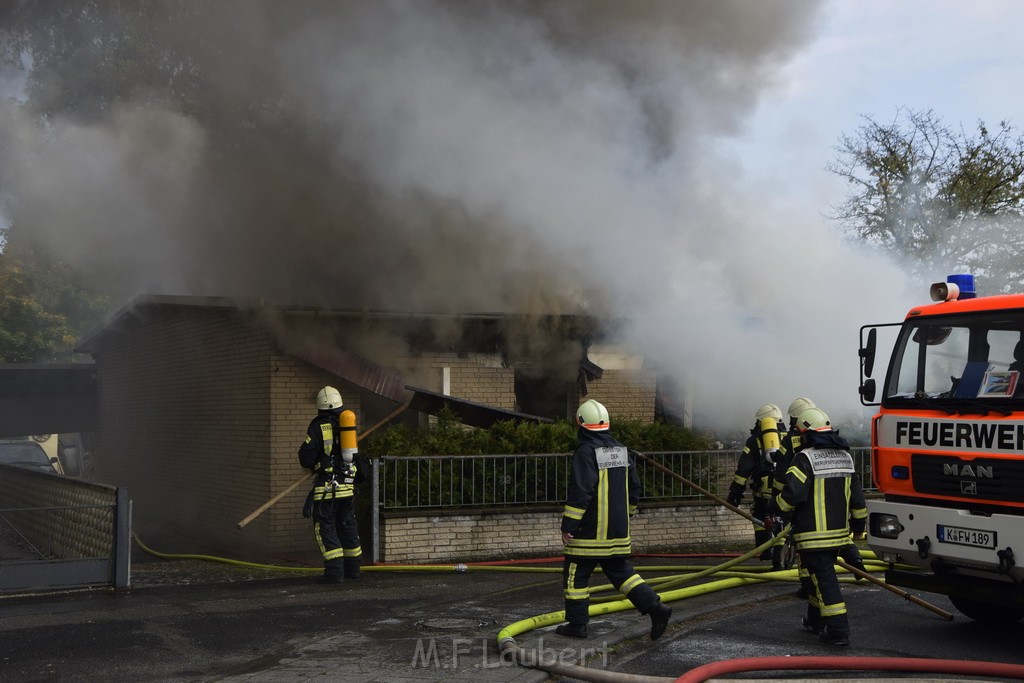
column 542, row 395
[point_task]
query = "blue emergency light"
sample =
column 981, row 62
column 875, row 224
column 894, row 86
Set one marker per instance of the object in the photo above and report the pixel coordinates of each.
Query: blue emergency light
column 955, row 287
column 900, row 472
column 965, row 282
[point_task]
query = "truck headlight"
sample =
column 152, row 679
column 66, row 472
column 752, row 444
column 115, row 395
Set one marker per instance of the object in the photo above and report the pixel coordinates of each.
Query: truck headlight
column 885, row 525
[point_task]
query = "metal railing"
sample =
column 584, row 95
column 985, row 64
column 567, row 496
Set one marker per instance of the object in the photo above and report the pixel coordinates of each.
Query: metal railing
column 58, row 532
column 485, row 481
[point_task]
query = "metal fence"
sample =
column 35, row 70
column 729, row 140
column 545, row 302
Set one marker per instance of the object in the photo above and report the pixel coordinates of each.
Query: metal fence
column 56, row 531
column 506, row 480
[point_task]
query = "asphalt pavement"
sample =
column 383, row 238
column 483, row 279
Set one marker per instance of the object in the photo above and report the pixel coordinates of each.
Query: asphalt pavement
column 187, row 620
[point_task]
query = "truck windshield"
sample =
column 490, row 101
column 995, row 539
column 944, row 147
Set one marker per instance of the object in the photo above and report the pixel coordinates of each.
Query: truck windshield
column 963, row 359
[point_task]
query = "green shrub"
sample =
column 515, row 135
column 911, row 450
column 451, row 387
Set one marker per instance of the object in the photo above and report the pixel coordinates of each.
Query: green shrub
column 448, row 437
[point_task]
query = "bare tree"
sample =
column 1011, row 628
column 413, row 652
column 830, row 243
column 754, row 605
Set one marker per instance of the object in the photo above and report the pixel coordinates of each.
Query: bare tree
column 937, row 198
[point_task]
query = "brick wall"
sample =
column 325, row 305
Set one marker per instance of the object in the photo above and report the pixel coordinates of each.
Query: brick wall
column 487, row 535
column 475, row 377
column 627, row 394
column 184, row 425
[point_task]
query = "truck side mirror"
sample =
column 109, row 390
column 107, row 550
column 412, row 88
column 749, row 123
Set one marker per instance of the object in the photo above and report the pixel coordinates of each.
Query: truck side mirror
column 867, row 391
column 867, row 352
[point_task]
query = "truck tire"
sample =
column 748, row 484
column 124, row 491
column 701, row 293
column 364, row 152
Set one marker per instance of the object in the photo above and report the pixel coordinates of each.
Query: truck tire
column 986, row 612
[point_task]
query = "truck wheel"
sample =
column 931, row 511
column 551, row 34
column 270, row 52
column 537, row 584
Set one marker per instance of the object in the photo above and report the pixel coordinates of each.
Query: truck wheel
column 986, row 612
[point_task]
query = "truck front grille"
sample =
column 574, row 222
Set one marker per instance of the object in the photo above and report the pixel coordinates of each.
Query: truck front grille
column 979, row 479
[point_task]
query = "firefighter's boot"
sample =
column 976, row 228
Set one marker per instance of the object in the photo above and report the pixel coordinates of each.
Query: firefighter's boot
column 352, row 570
column 837, row 631
column 659, row 613
column 572, row 630
column 333, row 572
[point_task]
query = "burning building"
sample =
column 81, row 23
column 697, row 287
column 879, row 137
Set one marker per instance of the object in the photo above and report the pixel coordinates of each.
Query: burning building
column 202, row 402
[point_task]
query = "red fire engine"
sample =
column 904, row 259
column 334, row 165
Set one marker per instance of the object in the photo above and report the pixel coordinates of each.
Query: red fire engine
column 947, row 449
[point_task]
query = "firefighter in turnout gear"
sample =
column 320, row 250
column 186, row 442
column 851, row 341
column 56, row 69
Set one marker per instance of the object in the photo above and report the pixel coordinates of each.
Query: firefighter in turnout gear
column 603, row 493
column 790, row 445
column 754, row 468
column 822, row 497
column 331, row 501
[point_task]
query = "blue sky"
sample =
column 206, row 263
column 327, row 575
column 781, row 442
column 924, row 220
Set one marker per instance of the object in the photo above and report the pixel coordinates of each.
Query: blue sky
column 964, row 60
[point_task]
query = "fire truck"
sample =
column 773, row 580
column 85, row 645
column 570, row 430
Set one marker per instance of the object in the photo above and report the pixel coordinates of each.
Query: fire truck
column 947, row 449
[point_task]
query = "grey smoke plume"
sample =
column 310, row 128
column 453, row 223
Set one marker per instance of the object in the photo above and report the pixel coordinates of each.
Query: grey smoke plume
column 523, row 156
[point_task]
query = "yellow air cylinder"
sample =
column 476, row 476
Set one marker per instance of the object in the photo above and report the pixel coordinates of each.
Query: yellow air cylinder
column 347, row 437
column 769, row 434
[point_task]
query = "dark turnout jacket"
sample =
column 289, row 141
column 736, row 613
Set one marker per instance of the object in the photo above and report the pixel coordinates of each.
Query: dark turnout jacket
column 321, row 452
column 603, row 492
column 822, row 493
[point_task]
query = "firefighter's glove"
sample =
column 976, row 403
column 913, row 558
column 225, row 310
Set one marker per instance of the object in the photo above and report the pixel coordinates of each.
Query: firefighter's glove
column 307, row 508
column 857, row 528
column 735, row 497
column 773, row 524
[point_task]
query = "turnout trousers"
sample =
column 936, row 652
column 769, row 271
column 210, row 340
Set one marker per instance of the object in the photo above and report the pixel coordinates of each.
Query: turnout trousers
column 576, row 573
column 334, row 525
column 761, row 535
column 825, row 606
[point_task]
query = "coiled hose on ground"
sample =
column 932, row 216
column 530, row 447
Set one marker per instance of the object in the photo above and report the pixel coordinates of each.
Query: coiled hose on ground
column 667, row 587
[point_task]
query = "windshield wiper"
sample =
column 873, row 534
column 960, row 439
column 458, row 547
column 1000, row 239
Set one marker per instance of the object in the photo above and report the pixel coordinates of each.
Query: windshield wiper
column 928, row 403
column 985, row 407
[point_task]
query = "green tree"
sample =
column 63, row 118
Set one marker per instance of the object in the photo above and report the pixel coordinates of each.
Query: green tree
column 938, row 198
column 42, row 308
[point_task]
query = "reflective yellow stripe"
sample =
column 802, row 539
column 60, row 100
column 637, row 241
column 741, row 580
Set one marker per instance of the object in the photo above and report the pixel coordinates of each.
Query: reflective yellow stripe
column 569, row 590
column 597, row 552
column 573, row 513
column 798, row 473
column 833, row 610
column 598, row 542
column 353, row 552
column 742, row 481
column 630, row 583
column 602, row 505
column 333, row 554
column 319, row 539
column 328, row 436
column 814, row 596
column 820, row 514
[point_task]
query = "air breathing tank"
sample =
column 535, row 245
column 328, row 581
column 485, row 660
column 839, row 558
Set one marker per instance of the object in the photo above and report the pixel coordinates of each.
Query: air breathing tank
column 347, row 437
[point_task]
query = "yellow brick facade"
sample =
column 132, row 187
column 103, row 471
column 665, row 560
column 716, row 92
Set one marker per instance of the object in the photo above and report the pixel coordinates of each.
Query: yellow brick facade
column 486, row 535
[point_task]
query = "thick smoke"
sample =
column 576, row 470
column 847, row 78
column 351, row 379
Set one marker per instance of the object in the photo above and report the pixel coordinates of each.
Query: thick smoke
column 528, row 157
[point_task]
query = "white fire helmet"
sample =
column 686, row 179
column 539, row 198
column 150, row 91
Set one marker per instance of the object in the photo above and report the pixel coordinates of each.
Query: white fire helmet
column 328, row 399
column 813, row 419
column 799, row 405
column 768, row 410
column 593, row 416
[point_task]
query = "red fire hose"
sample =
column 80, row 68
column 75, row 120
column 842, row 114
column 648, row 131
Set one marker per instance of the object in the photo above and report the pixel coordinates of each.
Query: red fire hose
column 949, row 666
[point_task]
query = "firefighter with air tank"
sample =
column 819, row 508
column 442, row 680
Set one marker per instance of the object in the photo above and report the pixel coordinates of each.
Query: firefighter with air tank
column 791, row 443
column 754, row 469
column 329, row 450
column 822, row 496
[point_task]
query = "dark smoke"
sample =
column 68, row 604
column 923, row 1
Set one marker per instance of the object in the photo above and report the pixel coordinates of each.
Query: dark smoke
column 524, row 156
